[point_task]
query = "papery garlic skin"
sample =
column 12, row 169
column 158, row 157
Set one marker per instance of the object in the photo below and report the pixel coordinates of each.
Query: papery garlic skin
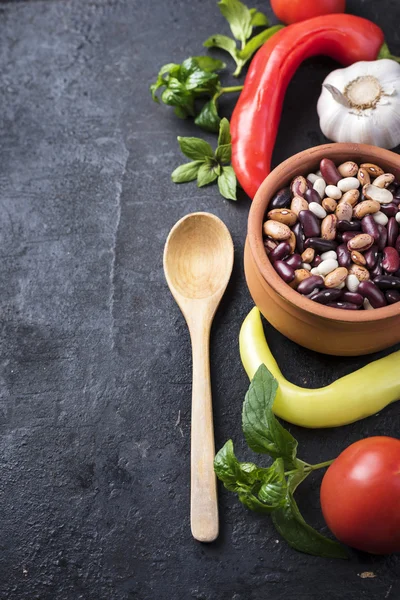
column 342, row 121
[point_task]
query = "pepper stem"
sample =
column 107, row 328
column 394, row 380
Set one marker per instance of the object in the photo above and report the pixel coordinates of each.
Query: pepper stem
column 384, row 52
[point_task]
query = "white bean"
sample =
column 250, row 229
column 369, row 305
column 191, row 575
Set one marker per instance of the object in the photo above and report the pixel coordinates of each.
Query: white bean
column 326, row 266
column 397, row 217
column 317, row 210
column 318, row 173
column 352, row 283
column 329, row 254
column 367, row 304
column 348, row 183
column 306, row 266
column 315, row 271
column 319, row 186
column 381, row 195
column 340, row 286
column 312, row 177
column 333, row 192
column 380, row 218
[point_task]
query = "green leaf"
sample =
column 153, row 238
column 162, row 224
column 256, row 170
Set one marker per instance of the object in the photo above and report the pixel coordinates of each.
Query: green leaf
column 224, row 42
column 161, row 81
column 224, row 133
column 208, row 117
column 239, row 18
column 258, row 19
column 257, row 41
column 299, row 535
column 209, row 64
column 273, row 488
column 223, row 153
column 227, row 183
column 186, row 172
column 176, row 94
column 195, row 148
column 206, row 175
column 262, row 430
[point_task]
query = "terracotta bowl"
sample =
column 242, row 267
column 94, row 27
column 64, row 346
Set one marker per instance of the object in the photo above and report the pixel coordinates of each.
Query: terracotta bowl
column 313, row 325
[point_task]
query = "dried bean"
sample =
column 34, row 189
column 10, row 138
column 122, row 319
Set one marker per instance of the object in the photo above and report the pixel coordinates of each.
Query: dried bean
column 299, row 276
column 390, row 210
column 298, row 204
column 299, row 237
column 348, row 183
column 343, row 305
column 278, row 231
column 372, row 169
column 329, row 204
column 369, row 290
column 343, row 256
column 363, row 176
column 328, row 227
column 377, row 271
column 352, row 297
column 294, row 261
column 283, row 215
column 319, row 186
column 351, row 197
column 325, row 296
column 327, row 266
column 380, row 218
column 348, row 169
column 308, row 255
column 310, row 223
column 281, row 251
column 387, row 282
column 269, row 245
column 384, row 180
column 317, row 210
column 361, row 273
column 319, row 244
column 381, row 195
column 348, row 226
column 284, row 271
column 333, row 192
column 299, row 186
column 352, row 283
column 398, row 217
column 306, row 266
column 392, row 231
column 358, row 258
column 367, row 304
column 282, row 199
column 361, row 242
column 371, row 256
column 349, row 235
column 308, row 285
column 292, row 242
column 367, row 207
column 312, row 196
column 329, row 254
column 391, row 260
column 312, row 177
column 317, row 260
column 397, row 244
column 382, row 241
column 329, row 171
column 369, row 226
column 336, row 277
column 392, row 296
column 344, row 211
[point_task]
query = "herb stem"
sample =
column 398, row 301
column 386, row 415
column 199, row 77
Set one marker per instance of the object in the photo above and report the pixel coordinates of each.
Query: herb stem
column 320, row 465
column 227, row 90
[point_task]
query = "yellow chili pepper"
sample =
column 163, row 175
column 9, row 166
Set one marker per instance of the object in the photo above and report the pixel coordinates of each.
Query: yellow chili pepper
column 353, row 397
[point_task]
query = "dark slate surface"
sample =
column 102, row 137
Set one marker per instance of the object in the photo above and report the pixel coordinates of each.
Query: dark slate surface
column 95, row 357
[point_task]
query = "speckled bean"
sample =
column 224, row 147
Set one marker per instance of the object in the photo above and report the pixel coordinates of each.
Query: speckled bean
column 329, row 204
column 277, row 231
column 336, row 277
column 384, row 180
column 299, row 276
column 299, row 186
column 363, row 176
column 344, row 211
column 298, row 204
column 360, row 242
column 308, row 285
column 361, row 273
column 328, row 227
column 372, row 169
column 283, row 215
column 308, row 255
column 358, row 258
column 369, row 290
column 367, row 207
column 348, row 169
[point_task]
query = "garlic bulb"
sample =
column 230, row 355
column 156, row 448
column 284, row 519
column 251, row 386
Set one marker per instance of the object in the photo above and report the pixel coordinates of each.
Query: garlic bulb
column 361, row 104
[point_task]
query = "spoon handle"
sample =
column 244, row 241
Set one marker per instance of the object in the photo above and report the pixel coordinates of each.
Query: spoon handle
column 203, row 499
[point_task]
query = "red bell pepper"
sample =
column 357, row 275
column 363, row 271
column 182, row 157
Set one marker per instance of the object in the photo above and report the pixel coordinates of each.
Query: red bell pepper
column 255, row 119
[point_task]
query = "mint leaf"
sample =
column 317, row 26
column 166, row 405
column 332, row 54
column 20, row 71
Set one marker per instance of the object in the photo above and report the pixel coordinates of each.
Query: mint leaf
column 208, row 117
column 195, row 148
column 258, row 19
column 262, row 430
column 209, row 64
column 223, row 153
column 239, row 18
column 299, row 535
column 186, row 172
column 206, row 174
column 161, row 81
column 227, row 183
column 257, row 41
column 224, row 133
column 223, row 42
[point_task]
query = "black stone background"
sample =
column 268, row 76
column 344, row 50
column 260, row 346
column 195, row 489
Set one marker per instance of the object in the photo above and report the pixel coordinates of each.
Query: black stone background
column 94, row 353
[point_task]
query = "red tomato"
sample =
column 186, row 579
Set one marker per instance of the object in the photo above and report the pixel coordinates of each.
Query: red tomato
column 360, row 495
column 293, row 11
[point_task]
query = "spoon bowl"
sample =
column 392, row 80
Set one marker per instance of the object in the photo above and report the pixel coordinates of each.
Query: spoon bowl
column 198, row 261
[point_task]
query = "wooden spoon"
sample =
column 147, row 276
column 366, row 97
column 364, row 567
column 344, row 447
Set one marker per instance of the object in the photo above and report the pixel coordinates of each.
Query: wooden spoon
column 198, row 260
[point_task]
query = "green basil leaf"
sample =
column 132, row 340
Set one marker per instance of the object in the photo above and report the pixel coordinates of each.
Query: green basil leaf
column 224, row 133
column 176, row 94
column 227, row 183
column 186, row 172
column 209, row 64
column 273, row 489
column 224, row 42
column 161, row 81
column 195, row 148
column 258, row 19
column 206, row 175
column 223, row 153
column 208, row 117
column 257, row 41
column 262, row 430
column 239, row 18
column 199, row 78
column 299, row 535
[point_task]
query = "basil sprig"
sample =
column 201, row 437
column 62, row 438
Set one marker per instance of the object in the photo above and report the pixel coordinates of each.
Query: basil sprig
column 241, row 20
column 271, row 489
column 206, row 165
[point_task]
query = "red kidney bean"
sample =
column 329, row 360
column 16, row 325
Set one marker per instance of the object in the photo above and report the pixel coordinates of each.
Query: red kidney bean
column 329, row 171
column 312, row 195
column 392, row 231
column 396, row 200
column 352, row 297
column 317, row 261
column 284, row 271
column 369, row 290
column 343, row 256
column 280, row 252
column 392, row 187
column 387, row 282
column 348, row 235
column 325, row 296
column 397, row 244
column 382, row 242
column 309, row 184
column 319, row 244
column 308, row 285
column 390, row 210
column 300, row 237
column 377, row 271
column 371, row 256
column 369, row 226
column 392, row 296
column 348, row 225
column 343, row 305
column 339, row 237
column 391, row 259
column 282, row 199
column 310, row 223
column 294, row 261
